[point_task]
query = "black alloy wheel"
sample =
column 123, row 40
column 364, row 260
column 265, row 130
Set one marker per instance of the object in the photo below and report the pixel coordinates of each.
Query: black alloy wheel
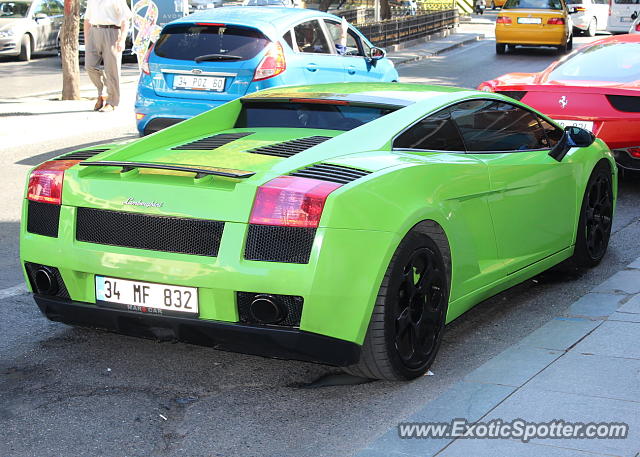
column 407, row 322
column 420, row 307
column 599, row 211
column 594, row 226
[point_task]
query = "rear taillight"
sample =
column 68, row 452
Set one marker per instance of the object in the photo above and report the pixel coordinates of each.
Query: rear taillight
column 291, row 201
column 503, row 20
column 272, row 64
column 638, row 27
column 556, row 21
column 579, row 9
column 144, row 66
column 610, row 6
column 45, row 182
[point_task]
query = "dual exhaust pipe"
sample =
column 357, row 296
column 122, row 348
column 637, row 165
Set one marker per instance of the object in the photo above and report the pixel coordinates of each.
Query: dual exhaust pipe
column 267, row 309
column 45, row 281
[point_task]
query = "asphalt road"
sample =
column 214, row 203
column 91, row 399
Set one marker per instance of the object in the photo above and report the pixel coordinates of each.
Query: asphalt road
column 74, row 392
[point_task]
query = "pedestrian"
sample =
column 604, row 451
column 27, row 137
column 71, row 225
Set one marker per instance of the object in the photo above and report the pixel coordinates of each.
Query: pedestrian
column 106, row 24
column 480, row 6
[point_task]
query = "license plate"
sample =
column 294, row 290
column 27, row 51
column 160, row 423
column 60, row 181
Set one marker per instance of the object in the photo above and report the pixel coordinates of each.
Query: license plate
column 198, row 83
column 587, row 125
column 146, row 297
column 626, row 19
column 529, row 20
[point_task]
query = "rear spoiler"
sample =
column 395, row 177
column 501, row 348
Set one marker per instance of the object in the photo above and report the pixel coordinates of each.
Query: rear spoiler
column 200, row 171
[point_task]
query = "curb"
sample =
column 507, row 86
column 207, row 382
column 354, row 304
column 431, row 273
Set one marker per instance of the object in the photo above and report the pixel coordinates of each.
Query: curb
column 427, row 55
column 512, row 384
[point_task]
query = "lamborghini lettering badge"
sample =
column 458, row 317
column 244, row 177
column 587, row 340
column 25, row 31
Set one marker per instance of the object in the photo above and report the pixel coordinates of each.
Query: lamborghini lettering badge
column 133, row 202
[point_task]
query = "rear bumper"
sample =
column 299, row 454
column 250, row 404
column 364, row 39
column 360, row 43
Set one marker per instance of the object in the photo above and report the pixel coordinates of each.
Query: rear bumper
column 625, row 161
column 548, row 36
column 268, row 342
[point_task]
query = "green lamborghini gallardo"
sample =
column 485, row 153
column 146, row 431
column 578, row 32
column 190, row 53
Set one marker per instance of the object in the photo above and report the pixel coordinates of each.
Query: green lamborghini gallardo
column 343, row 224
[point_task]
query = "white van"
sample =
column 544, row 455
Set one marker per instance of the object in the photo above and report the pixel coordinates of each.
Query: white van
column 620, row 12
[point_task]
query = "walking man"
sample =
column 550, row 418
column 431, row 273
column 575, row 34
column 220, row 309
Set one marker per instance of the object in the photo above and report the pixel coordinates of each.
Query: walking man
column 106, row 24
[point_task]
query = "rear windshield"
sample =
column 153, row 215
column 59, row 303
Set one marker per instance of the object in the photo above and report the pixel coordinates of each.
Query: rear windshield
column 534, row 4
column 616, row 62
column 308, row 115
column 14, row 9
column 228, row 43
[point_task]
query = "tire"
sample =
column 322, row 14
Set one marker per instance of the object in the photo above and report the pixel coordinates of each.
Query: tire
column 25, row 48
column 596, row 212
column 408, row 318
column 570, row 43
column 592, row 28
column 501, row 48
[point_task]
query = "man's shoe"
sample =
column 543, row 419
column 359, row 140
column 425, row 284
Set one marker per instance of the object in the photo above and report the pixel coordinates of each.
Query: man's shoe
column 107, row 108
column 99, row 103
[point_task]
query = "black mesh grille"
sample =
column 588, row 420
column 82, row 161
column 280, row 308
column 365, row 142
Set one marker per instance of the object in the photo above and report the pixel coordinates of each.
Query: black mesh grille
column 627, row 104
column 31, row 273
column 43, row 218
column 212, row 142
column 160, row 123
column 333, row 173
column 291, row 303
column 515, row 94
column 289, row 148
column 143, row 231
column 81, row 155
column 270, row 243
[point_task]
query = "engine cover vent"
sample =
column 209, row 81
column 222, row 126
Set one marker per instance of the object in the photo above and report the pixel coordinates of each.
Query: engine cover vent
column 81, row 155
column 291, row 147
column 333, row 173
column 212, row 142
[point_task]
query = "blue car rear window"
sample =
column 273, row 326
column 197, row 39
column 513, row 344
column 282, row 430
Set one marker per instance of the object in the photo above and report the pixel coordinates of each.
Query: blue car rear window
column 307, row 115
column 190, row 41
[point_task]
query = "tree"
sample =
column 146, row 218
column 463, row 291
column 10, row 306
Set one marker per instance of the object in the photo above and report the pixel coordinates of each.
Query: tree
column 69, row 50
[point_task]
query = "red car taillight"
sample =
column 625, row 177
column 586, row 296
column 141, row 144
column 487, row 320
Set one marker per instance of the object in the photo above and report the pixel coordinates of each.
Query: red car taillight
column 45, row 182
column 291, row 201
column 272, row 64
column 503, row 20
column 145, row 62
column 638, row 27
column 556, row 21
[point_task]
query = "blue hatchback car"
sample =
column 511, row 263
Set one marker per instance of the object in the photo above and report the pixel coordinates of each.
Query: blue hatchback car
column 209, row 58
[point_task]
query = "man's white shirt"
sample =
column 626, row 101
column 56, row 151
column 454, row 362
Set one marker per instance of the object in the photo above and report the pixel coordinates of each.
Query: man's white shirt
column 107, row 12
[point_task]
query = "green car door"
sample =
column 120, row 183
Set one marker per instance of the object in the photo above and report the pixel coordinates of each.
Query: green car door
column 533, row 196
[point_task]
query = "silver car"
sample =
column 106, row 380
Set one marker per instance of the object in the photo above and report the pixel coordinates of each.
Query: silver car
column 590, row 15
column 29, row 26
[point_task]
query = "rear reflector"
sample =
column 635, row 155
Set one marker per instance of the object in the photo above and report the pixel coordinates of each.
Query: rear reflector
column 291, row 201
column 272, row 64
column 638, row 27
column 556, row 21
column 45, row 182
column 634, row 152
column 503, row 20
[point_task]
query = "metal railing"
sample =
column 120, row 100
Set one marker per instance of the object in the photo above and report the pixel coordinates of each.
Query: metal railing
column 407, row 28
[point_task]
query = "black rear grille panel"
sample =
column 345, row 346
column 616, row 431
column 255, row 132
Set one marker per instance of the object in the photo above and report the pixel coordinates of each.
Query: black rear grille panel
column 290, row 148
column 81, row 155
column 212, row 142
column 271, row 243
column 515, row 94
column 43, row 218
column 291, row 303
column 31, row 273
column 149, row 232
column 625, row 103
column 333, row 173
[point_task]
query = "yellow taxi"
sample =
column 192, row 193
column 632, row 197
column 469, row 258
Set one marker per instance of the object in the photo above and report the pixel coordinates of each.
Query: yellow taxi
column 534, row 23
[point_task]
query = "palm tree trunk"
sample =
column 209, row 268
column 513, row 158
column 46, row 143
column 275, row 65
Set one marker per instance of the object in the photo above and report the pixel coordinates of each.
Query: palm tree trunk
column 69, row 50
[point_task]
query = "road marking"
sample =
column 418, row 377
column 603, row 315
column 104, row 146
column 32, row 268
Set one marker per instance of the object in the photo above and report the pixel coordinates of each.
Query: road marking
column 11, row 291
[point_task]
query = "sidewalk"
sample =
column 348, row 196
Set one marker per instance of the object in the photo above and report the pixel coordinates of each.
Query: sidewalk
column 580, row 367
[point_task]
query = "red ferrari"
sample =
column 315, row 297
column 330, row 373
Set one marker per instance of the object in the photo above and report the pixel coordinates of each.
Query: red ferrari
column 596, row 88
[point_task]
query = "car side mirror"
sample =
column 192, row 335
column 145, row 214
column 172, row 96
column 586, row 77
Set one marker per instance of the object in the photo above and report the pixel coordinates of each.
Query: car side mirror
column 377, row 53
column 40, row 16
column 634, row 16
column 573, row 137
